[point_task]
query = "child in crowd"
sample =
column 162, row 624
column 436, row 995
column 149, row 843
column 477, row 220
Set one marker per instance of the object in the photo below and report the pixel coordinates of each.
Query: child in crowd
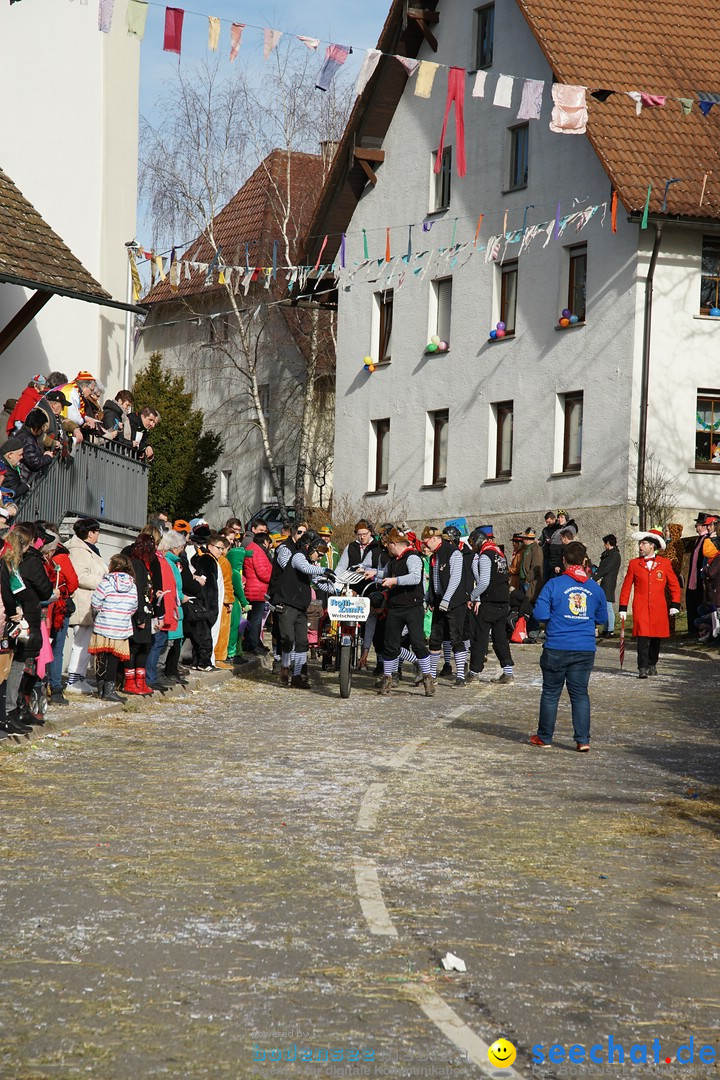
column 113, row 605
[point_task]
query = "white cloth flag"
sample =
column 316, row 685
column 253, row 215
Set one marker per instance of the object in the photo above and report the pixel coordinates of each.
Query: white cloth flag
column 409, row 64
column 311, row 42
column 478, row 90
column 372, row 58
column 531, row 104
column 635, row 95
column 271, row 41
column 503, row 91
column 569, row 116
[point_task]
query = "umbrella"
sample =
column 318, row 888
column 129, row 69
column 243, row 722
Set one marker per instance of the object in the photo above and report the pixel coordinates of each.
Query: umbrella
column 622, row 643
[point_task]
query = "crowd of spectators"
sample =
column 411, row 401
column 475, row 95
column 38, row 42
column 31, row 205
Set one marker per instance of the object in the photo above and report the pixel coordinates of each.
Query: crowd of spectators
column 53, row 415
column 128, row 620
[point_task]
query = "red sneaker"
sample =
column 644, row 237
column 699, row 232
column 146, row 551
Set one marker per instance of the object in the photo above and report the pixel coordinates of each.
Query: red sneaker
column 535, row 740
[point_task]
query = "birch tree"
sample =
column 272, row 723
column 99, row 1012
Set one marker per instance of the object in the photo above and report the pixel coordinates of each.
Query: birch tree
column 215, row 130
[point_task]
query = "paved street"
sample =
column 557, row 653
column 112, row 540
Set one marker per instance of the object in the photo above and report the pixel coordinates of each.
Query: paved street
column 189, row 884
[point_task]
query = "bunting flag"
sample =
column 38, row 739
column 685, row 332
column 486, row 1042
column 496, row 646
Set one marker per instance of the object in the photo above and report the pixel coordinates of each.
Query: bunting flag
column 105, row 14
column 211, row 267
column 365, row 244
column 136, row 17
column 531, row 103
column 425, row 78
column 235, row 38
column 322, row 248
column 556, row 232
column 569, row 115
column 387, row 244
column 644, row 222
column 311, row 42
column 213, row 32
column 613, row 211
column 135, row 276
column 174, row 276
column 159, row 267
column 342, row 251
column 686, row 105
column 372, row 58
column 172, row 41
column 271, row 40
column 335, row 57
column 456, row 94
column 409, row 64
column 503, row 91
column 477, row 230
column 478, row 90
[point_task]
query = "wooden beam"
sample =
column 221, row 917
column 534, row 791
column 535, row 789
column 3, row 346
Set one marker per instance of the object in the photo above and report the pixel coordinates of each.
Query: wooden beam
column 369, row 171
column 426, row 16
column 23, row 318
column 426, row 31
column 369, row 153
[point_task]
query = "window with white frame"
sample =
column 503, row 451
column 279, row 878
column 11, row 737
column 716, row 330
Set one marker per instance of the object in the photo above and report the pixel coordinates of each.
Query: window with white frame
column 518, row 156
column 572, row 406
column 508, row 296
column 442, row 297
column 577, row 278
column 503, row 417
column 442, row 180
column 484, row 35
column 383, row 326
column 710, row 275
column 380, row 455
column 225, row 478
column 439, row 429
column 264, row 395
column 707, row 429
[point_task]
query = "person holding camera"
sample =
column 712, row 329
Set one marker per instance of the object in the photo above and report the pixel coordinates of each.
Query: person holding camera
column 36, row 460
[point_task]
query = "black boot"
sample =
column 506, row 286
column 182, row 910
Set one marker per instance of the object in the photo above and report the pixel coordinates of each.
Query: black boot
column 108, row 693
column 14, row 725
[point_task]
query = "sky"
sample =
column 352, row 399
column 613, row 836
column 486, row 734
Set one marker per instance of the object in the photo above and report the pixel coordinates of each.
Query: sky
column 330, row 20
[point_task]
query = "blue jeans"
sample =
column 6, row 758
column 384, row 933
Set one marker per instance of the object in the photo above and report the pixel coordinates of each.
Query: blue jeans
column 151, row 664
column 54, row 670
column 561, row 668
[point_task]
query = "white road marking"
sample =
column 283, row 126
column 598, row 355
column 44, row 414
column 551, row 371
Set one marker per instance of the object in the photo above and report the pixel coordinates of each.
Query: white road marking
column 373, row 907
column 379, row 922
column 457, row 1031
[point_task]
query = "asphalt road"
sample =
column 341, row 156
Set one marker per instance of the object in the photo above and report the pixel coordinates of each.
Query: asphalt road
column 195, row 887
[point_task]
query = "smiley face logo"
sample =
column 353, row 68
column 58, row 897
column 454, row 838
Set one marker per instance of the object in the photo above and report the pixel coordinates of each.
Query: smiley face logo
column 502, row 1053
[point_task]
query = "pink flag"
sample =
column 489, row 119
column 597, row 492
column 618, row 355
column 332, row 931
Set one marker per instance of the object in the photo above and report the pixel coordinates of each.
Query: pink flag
column 235, row 38
column 272, row 37
column 173, row 30
column 409, row 64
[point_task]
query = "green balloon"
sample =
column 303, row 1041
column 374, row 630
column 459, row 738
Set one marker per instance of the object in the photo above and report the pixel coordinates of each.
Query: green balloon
column 432, row 347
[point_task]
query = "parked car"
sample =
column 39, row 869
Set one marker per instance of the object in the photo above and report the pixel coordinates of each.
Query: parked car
column 273, row 517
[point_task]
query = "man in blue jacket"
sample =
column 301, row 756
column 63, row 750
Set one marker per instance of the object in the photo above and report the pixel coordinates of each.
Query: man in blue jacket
column 570, row 605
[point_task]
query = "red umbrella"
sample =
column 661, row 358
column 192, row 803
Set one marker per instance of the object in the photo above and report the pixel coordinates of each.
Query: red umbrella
column 622, row 643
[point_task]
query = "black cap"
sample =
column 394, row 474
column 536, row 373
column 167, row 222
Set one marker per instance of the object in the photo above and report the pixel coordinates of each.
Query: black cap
column 57, row 395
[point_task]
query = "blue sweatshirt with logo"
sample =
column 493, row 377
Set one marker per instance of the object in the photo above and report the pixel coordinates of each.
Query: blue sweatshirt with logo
column 571, row 605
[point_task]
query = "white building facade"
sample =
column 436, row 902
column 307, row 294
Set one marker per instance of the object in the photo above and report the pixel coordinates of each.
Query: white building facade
column 545, row 417
column 69, row 136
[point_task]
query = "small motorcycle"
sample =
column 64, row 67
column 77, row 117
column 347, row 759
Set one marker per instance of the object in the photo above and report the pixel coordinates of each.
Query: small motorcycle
column 343, row 638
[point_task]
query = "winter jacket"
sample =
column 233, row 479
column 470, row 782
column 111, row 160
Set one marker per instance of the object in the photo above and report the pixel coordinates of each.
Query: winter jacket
column 11, row 483
column 256, row 571
column 34, row 462
column 531, row 570
column 555, row 545
column 25, row 404
column 607, row 572
column 89, row 568
column 648, row 580
column 140, row 434
column 571, row 605
column 171, row 603
column 61, row 573
column 37, row 590
column 175, row 563
column 114, row 603
column 205, row 565
column 114, row 419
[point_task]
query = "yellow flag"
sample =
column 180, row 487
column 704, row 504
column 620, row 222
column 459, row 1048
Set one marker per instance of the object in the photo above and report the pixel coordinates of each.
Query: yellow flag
column 213, row 32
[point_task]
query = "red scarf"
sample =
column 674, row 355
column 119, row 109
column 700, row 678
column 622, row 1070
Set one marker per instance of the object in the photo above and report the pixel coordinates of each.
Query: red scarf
column 577, row 574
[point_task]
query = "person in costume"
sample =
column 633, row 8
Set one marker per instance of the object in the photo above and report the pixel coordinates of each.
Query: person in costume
column 649, row 579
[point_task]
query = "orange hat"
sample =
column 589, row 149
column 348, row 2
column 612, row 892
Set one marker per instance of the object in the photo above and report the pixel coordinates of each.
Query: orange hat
column 181, row 526
column 84, row 376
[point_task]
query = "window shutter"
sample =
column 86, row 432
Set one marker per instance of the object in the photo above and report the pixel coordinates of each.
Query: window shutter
column 444, row 308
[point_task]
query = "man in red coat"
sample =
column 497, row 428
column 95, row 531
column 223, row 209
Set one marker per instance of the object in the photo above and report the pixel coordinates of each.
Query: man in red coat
column 649, row 578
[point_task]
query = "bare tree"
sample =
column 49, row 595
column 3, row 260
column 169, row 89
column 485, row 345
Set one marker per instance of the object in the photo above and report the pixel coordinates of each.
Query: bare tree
column 214, row 132
column 661, row 491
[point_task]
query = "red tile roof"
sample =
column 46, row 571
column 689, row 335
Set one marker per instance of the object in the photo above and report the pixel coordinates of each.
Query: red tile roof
column 654, row 47
column 256, row 216
column 32, row 253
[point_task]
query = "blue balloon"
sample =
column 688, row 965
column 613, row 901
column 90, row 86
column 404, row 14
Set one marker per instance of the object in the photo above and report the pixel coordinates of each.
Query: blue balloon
column 493, row 334
column 715, row 311
column 574, row 319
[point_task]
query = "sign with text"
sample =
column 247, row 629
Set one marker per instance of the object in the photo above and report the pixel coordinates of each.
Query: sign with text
column 348, row 608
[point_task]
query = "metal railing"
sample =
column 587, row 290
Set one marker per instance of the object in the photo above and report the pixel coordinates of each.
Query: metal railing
column 95, row 481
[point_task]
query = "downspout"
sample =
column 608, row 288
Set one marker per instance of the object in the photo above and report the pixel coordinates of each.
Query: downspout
column 645, row 379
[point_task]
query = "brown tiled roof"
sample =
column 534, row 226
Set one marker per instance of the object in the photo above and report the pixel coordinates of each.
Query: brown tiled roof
column 31, row 253
column 255, row 216
column 654, row 47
